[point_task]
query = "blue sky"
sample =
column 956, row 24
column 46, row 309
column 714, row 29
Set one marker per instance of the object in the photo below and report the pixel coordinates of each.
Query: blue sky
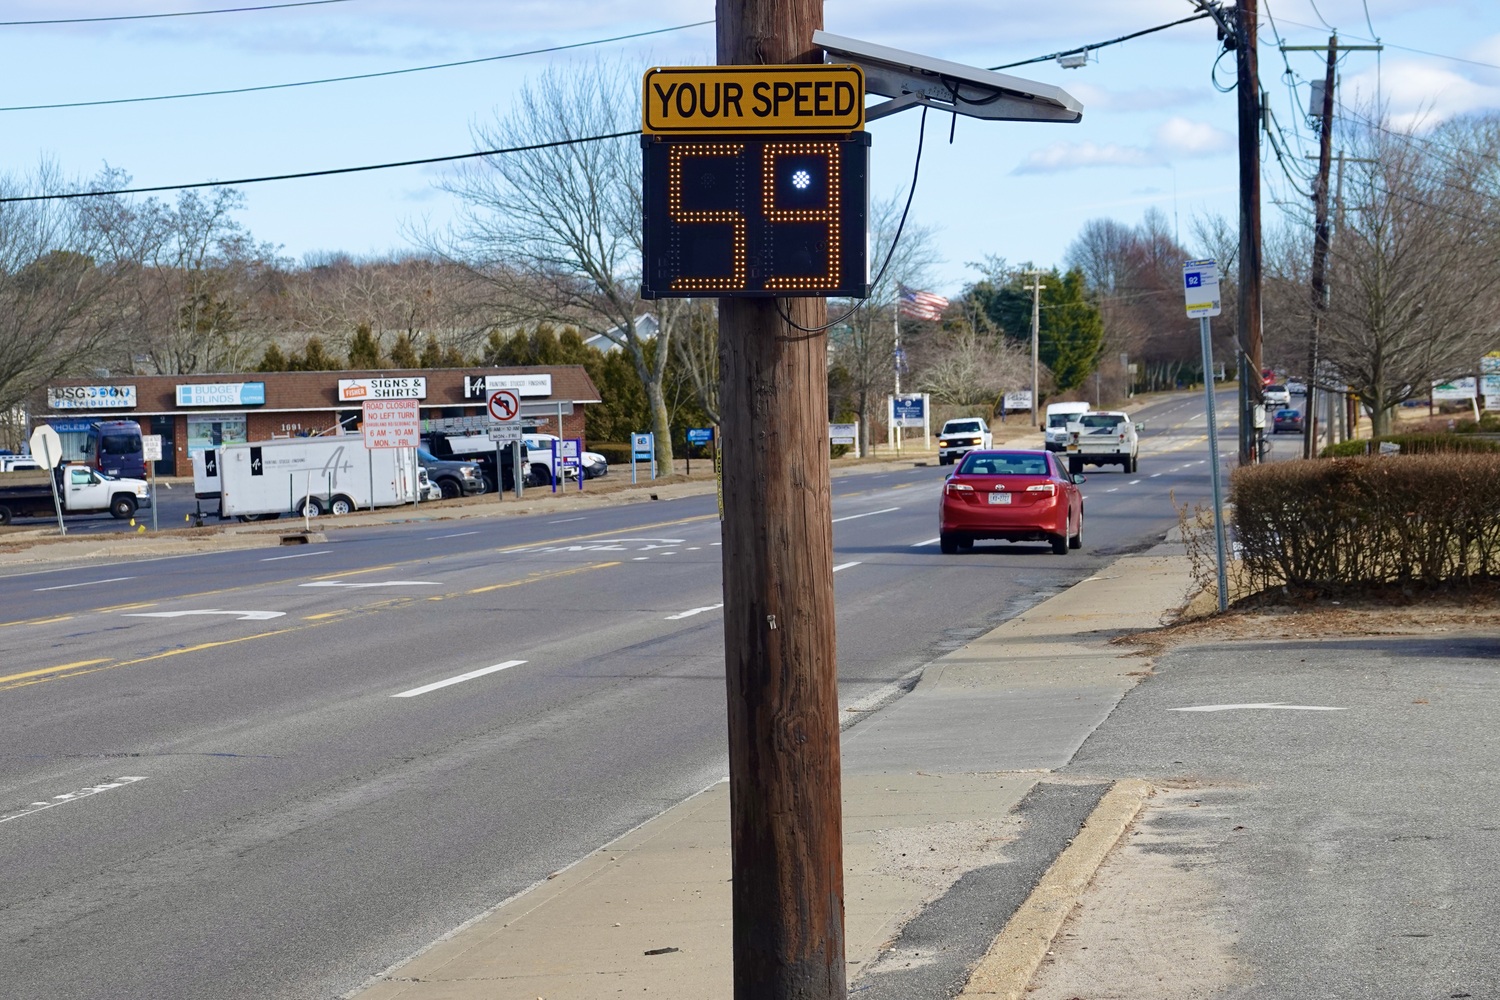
column 1156, row 133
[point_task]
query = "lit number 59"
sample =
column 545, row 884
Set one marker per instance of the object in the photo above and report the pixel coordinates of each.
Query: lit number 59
column 735, row 280
column 828, row 214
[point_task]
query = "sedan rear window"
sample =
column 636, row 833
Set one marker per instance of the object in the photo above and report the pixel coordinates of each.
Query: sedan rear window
column 1005, row 465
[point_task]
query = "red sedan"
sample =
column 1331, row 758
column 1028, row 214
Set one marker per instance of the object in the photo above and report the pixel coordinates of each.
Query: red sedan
column 1018, row 496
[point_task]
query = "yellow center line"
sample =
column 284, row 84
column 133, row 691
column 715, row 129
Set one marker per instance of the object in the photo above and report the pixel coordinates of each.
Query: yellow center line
column 126, row 607
column 50, row 670
column 37, row 621
column 534, row 578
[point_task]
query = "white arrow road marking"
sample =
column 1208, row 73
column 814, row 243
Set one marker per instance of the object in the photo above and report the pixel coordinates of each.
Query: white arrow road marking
column 1263, row 704
column 383, row 583
column 872, row 513
column 244, row 616
column 90, row 583
column 691, row 612
column 459, row 679
column 67, row 797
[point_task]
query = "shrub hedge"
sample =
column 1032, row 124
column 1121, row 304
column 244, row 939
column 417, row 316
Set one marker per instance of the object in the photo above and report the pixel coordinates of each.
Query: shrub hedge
column 1410, row 519
column 1412, row 444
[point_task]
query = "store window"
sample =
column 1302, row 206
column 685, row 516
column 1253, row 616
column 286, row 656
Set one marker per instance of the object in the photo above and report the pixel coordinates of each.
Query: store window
column 213, row 430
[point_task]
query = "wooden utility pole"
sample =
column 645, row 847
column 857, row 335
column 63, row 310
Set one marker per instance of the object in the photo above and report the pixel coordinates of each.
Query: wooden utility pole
column 1248, row 325
column 786, row 819
column 1320, row 252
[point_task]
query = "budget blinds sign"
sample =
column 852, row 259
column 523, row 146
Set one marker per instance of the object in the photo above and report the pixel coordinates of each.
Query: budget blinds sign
column 222, row 394
column 91, row 397
column 357, row 390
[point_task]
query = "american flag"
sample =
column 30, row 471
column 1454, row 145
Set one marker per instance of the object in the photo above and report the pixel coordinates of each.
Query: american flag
column 921, row 305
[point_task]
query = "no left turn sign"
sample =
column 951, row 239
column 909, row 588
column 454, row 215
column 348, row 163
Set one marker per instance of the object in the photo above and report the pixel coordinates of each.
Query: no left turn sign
column 504, row 406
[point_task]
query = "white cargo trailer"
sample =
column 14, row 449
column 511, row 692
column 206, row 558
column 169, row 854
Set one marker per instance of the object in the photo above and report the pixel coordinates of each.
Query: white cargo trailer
column 323, row 475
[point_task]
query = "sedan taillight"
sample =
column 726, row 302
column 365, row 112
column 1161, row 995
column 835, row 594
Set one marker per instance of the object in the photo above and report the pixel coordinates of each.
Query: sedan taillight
column 1048, row 488
column 958, row 489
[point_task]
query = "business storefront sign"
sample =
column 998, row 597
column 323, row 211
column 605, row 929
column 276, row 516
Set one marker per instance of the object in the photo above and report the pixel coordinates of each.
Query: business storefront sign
column 91, row 397
column 1458, row 389
column 481, row 386
column 222, row 394
column 357, row 390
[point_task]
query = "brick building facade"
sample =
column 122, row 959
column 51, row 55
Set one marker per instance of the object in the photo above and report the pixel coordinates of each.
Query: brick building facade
column 192, row 412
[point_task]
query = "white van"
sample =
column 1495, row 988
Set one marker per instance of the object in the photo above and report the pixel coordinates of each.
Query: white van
column 1059, row 415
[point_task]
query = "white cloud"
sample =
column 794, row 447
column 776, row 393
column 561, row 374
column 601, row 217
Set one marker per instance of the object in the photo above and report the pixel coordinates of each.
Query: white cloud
column 1060, row 156
column 1157, row 99
column 1417, row 93
column 1179, row 138
column 1175, row 139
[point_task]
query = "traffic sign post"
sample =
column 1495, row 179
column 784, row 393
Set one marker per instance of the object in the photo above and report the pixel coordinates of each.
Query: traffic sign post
column 642, row 446
column 46, row 448
column 151, row 452
column 393, row 423
column 504, row 406
column 1200, row 286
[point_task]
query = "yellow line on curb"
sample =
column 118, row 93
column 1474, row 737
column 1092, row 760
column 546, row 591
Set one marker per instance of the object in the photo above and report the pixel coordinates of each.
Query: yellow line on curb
column 1017, row 952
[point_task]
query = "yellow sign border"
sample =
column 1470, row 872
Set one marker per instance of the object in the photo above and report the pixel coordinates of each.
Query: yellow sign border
column 754, row 75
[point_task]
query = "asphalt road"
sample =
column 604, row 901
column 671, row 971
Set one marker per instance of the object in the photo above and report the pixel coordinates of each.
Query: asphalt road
column 273, row 774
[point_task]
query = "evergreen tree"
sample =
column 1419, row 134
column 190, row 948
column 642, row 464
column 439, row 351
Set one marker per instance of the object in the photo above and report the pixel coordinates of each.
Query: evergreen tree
column 404, row 355
column 315, row 358
column 364, row 349
column 1072, row 330
column 432, row 354
column 273, row 360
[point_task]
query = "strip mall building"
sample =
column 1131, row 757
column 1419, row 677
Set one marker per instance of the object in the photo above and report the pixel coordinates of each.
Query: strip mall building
column 193, row 412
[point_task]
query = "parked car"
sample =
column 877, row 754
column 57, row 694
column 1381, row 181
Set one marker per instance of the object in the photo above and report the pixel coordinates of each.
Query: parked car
column 1277, row 395
column 452, row 478
column 1016, row 496
column 1286, row 420
column 961, row 436
column 429, row 489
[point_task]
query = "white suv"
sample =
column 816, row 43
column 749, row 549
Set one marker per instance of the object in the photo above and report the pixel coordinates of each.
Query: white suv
column 961, row 436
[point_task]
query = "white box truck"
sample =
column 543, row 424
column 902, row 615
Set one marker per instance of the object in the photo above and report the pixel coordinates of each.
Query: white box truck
column 261, row 480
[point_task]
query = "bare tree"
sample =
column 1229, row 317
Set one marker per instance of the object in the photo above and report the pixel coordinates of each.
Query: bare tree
column 555, row 228
column 696, row 344
column 53, row 289
column 863, row 346
column 971, row 371
column 1412, row 297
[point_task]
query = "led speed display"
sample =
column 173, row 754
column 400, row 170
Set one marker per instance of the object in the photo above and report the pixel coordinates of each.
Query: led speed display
column 755, row 216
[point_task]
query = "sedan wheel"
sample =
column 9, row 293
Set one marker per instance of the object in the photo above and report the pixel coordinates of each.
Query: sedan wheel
column 948, row 542
column 1060, row 542
column 1076, row 541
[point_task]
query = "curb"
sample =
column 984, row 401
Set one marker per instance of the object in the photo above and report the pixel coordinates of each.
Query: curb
column 1017, row 952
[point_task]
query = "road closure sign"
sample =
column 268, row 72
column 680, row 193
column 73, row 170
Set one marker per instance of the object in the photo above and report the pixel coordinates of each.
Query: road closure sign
column 730, row 100
column 1200, row 285
column 391, row 423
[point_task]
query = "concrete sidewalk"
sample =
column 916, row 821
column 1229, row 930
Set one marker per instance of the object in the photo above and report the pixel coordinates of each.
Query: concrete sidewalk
column 949, row 817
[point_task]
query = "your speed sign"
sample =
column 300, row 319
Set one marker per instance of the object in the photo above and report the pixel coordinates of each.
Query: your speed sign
column 504, row 406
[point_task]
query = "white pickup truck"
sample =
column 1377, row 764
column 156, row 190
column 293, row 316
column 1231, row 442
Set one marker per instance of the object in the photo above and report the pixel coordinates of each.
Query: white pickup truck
column 80, row 490
column 1103, row 437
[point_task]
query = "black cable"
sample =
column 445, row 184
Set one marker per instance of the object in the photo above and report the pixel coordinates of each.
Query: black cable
column 180, row 13
column 891, row 253
column 319, row 173
column 357, row 76
column 1100, row 45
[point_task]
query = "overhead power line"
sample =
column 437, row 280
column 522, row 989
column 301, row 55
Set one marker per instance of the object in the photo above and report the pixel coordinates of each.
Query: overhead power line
column 179, row 13
column 356, row 76
column 68, row 195
column 1100, row 45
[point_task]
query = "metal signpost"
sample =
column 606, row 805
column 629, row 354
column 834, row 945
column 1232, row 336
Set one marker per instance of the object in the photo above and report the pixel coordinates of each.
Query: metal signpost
column 642, row 446
column 504, row 409
column 151, row 452
column 46, row 448
column 1200, row 286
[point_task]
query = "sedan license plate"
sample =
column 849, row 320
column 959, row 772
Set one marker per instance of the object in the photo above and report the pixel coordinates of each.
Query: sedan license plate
column 999, row 498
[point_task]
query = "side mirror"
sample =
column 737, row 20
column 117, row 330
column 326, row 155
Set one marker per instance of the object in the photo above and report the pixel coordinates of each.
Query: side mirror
column 1140, row 427
column 1080, row 478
